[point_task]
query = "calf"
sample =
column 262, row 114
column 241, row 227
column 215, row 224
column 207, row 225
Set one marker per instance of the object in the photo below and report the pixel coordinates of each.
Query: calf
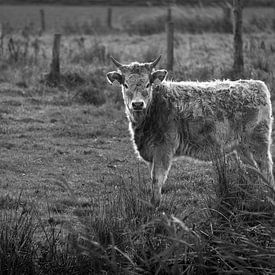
column 170, row 119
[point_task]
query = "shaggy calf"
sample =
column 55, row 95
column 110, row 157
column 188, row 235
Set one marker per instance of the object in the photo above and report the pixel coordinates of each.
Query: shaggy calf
column 171, row 119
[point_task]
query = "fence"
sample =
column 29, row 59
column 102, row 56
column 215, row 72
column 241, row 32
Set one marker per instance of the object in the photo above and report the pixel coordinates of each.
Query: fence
column 42, row 20
column 238, row 65
column 54, row 74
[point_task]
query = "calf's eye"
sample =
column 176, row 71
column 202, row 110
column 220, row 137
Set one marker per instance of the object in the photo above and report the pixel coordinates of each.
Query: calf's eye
column 126, row 86
column 148, row 85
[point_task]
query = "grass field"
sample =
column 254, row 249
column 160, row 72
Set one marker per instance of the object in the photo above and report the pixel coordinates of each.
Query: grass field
column 66, row 18
column 73, row 195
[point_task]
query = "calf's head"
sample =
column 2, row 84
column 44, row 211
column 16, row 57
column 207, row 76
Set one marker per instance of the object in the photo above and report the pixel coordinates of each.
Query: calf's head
column 136, row 80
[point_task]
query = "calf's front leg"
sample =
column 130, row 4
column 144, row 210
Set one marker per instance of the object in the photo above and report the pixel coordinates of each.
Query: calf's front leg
column 159, row 171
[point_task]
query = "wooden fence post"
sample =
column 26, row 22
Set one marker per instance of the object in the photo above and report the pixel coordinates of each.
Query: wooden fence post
column 36, row 50
column 109, row 18
column 42, row 20
column 12, row 51
column 170, row 45
column 2, row 39
column 169, row 15
column 238, row 65
column 54, row 75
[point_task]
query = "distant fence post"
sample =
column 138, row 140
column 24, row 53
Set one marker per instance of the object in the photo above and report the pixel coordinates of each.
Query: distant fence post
column 170, row 42
column 109, row 18
column 238, row 65
column 42, row 20
column 54, row 75
column 2, row 39
column 36, row 50
column 169, row 15
column 13, row 52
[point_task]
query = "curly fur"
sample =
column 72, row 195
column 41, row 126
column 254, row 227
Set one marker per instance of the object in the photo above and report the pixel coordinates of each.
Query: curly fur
column 195, row 119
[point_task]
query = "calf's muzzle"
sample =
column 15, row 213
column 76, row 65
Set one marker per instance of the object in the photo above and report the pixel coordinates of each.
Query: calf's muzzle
column 138, row 105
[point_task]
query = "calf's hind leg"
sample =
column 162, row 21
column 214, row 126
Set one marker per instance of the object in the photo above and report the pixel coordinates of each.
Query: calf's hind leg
column 261, row 149
column 265, row 163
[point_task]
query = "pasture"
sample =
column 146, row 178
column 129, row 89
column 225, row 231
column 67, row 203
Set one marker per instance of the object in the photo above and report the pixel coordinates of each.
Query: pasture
column 93, row 18
column 74, row 198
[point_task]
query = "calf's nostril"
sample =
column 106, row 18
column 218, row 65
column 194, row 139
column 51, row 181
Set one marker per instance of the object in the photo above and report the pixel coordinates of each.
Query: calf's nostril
column 137, row 105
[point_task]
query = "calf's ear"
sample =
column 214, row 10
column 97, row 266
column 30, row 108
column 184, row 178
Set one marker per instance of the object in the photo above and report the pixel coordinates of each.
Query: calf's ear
column 158, row 76
column 114, row 78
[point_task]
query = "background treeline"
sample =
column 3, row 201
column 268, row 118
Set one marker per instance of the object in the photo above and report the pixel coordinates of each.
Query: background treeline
column 137, row 2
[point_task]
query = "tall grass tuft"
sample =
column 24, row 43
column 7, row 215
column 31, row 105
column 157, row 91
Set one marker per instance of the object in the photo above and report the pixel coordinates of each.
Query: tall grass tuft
column 240, row 230
column 17, row 247
column 125, row 234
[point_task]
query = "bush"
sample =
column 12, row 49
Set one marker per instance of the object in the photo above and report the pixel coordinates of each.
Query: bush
column 92, row 95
